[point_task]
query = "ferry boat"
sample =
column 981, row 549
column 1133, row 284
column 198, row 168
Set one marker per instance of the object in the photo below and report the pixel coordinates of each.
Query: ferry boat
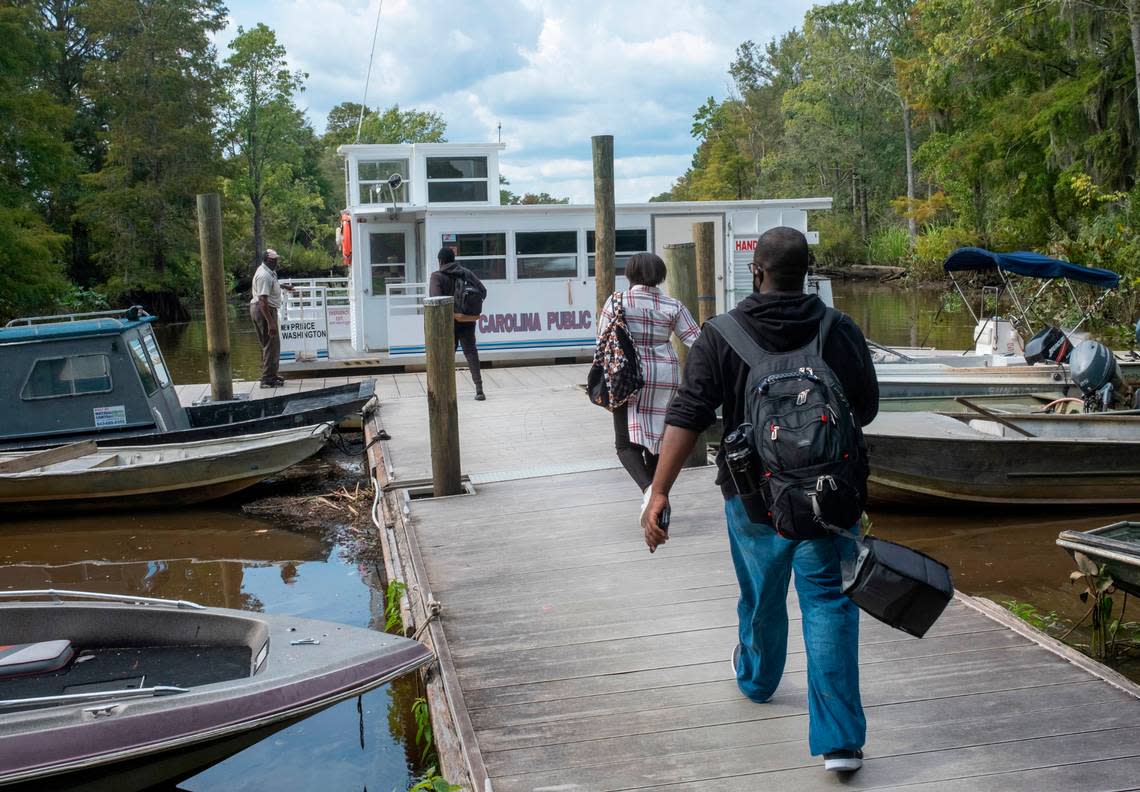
column 405, row 202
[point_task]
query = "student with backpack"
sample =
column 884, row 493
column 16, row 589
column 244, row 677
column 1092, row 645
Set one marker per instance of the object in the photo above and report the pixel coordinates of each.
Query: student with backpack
column 452, row 280
column 796, row 384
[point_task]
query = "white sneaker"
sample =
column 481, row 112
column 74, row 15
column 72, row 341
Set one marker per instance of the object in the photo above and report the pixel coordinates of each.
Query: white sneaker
column 843, row 761
column 735, row 661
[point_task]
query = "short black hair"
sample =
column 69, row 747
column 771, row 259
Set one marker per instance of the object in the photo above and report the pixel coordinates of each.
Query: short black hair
column 784, row 256
column 645, row 269
column 445, row 255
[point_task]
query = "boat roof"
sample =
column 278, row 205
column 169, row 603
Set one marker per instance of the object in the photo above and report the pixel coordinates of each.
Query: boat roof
column 1029, row 264
column 80, row 328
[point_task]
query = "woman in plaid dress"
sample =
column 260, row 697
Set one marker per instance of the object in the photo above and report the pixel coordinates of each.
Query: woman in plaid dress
column 652, row 317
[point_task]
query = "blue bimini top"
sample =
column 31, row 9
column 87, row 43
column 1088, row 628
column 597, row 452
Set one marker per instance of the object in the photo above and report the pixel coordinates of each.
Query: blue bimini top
column 1029, row 264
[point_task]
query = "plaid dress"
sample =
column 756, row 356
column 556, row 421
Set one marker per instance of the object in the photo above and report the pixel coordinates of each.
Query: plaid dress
column 651, row 318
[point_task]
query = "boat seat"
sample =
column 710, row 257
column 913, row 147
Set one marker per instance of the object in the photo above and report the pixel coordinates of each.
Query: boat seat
column 34, row 658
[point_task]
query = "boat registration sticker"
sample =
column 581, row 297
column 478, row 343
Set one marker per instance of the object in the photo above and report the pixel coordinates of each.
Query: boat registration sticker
column 115, row 415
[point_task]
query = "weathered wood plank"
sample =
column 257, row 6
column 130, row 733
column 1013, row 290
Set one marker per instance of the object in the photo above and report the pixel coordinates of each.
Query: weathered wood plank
column 964, row 749
column 895, row 729
column 933, row 766
column 972, row 695
column 31, row 460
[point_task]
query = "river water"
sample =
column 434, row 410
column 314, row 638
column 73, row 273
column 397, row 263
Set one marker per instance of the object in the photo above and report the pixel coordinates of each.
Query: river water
column 218, row 556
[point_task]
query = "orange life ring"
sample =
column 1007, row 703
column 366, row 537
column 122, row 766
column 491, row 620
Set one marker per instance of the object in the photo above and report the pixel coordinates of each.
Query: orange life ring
column 346, row 238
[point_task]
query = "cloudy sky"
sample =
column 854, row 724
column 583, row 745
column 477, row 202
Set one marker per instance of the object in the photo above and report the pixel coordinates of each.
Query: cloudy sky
column 552, row 72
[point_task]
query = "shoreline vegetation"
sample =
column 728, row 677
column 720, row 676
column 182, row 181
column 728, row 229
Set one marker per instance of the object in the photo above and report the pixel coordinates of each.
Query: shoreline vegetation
column 931, row 123
column 935, row 124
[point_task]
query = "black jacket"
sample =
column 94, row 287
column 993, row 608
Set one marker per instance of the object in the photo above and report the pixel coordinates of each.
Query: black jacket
column 779, row 321
column 442, row 281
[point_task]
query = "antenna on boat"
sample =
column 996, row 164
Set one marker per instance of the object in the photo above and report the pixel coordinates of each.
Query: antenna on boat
column 368, row 74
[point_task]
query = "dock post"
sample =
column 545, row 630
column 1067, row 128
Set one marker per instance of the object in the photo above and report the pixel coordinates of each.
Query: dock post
column 704, row 237
column 443, row 413
column 604, row 220
column 214, row 295
column 681, row 281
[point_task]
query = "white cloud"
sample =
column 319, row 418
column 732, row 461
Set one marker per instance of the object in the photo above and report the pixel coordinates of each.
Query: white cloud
column 552, row 72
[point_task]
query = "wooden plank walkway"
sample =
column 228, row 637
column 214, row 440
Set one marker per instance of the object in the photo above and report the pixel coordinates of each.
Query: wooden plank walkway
column 578, row 661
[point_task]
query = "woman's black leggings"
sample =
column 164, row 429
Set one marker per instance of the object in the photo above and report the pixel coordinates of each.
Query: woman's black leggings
column 636, row 459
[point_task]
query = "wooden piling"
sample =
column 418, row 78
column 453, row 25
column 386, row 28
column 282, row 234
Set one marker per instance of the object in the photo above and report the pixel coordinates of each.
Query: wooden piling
column 443, row 413
column 214, row 295
column 704, row 238
column 681, row 281
column 604, row 219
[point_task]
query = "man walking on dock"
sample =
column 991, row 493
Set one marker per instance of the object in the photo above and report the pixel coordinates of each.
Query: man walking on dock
column 453, row 280
column 263, row 309
column 779, row 318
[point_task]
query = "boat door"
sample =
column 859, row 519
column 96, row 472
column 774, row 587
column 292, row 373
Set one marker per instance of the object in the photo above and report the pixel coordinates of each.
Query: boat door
column 390, row 249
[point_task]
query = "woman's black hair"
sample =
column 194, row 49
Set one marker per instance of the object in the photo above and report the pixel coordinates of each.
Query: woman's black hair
column 445, row 255
column 645, row 269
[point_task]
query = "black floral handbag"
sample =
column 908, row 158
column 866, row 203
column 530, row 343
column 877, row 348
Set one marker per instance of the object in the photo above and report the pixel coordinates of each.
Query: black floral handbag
column 615, row 377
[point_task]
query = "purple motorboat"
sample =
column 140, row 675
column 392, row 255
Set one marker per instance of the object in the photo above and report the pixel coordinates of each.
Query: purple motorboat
column 123, row 692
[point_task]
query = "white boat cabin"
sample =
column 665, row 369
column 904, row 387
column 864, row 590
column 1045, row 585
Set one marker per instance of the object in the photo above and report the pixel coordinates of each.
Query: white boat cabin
column 405, row 202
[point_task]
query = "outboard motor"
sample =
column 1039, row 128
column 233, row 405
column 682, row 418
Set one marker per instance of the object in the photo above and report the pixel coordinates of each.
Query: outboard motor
column 1049, row 344
column 1094, row 370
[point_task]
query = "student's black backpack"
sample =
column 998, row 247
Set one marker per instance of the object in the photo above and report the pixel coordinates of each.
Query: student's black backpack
column 806, row 436
column 469, row 292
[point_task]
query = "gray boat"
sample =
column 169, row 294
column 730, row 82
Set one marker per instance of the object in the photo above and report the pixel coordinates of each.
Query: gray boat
column 937, row 458
column 102, row 376
column 122, row 692
column 1114, row 548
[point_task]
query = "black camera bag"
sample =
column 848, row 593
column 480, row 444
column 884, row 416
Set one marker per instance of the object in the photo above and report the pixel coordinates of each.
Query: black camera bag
column 897, row 585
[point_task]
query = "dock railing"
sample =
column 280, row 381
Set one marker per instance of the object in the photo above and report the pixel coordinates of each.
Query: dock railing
column 321, row 297
column 406, row 318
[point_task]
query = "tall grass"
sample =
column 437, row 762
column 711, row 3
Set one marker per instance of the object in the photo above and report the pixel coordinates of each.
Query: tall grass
column 889, row 247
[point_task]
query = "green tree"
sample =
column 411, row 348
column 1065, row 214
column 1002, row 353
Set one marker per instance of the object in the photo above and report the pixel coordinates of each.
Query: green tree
column 157, row 78
column 394, row 125
column 263, row 129
column 33, row 161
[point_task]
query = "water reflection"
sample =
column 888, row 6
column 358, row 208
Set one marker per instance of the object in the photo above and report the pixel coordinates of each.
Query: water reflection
column 222, row 559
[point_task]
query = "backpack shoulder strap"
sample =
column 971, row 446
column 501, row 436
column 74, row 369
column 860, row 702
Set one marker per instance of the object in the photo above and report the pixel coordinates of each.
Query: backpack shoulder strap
column 737, row 337
column 831, row 318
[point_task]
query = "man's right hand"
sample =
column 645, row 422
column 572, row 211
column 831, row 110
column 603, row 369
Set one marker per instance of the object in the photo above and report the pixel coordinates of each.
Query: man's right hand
column 655, row 535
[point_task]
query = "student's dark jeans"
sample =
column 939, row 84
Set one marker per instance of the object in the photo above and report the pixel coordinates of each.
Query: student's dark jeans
column 636, row 459
column 465, row 338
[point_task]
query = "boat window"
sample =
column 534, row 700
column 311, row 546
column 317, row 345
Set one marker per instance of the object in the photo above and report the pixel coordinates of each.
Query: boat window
column 156, row 360
column 627, row 241
column 68, row 376
column 457, row 179
column 546, row 254
column 149, row 383
column 389, row 260
column 483, row 254
column 372, row 179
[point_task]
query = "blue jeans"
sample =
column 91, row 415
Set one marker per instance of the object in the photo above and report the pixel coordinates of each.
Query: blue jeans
column 764, row 561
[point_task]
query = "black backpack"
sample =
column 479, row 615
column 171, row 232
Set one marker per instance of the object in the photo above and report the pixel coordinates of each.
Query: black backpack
column 806, row 437
column 469, row 292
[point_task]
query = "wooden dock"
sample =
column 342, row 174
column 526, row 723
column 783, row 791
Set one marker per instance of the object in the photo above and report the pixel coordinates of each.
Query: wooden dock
column 572, row 659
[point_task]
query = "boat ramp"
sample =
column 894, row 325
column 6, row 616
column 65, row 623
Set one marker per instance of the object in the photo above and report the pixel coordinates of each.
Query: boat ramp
column 572, row 659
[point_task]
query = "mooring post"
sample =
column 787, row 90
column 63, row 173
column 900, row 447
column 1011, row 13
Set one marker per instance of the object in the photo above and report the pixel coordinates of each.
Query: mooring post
column 681, row 281
column 704, row 238
column 443, row 413
column 214, row 295
column 604, row 220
